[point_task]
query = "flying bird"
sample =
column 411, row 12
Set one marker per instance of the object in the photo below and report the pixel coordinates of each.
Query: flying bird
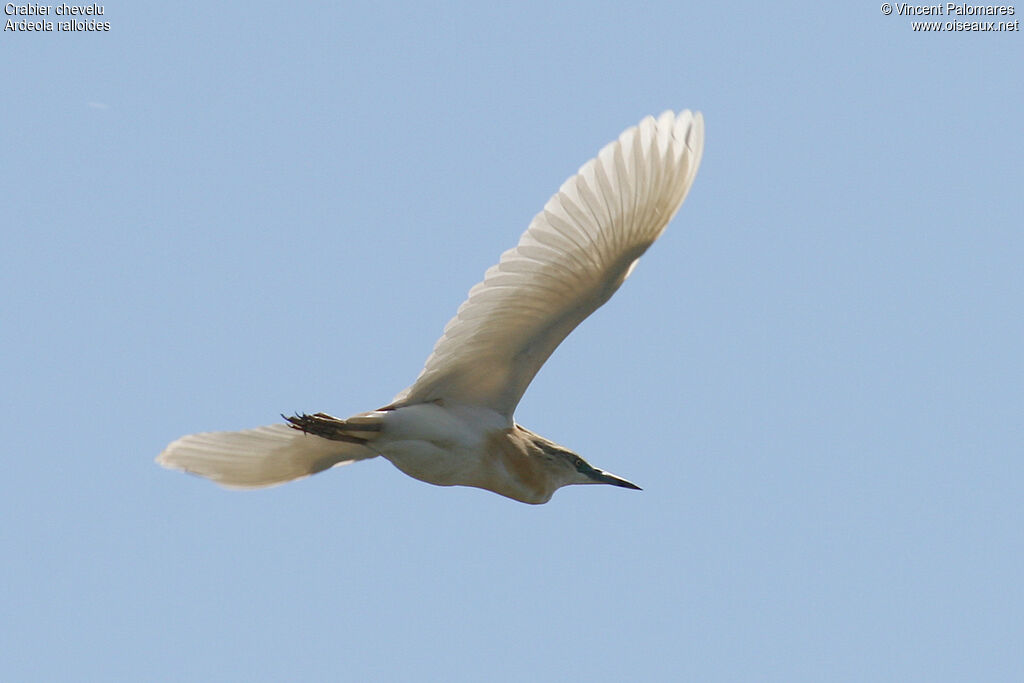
column 454, row 426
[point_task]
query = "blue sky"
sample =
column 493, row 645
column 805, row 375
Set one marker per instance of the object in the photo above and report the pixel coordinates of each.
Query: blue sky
column 218, row 212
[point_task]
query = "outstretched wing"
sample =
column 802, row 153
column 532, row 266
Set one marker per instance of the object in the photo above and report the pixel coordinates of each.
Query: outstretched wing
column 571, row 259
column 264, row 456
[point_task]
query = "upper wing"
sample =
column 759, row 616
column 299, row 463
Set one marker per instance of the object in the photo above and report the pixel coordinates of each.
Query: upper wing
column 571, row 259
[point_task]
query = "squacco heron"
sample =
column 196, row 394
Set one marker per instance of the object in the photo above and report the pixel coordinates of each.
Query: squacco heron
column 455, row 424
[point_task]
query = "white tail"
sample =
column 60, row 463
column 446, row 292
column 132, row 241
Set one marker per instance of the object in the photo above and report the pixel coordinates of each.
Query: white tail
column 264, row 456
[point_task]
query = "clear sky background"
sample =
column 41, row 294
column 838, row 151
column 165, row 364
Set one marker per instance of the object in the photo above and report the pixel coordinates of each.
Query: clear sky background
column 218, row 212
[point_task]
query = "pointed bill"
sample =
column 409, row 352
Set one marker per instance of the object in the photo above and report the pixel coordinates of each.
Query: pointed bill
column 609, row 478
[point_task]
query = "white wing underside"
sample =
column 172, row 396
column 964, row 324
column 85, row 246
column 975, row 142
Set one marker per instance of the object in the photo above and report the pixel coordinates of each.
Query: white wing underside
column 258, row 457
column 572, row 258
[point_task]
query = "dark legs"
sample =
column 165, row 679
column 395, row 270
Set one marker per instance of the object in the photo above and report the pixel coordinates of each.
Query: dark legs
column 328, row 427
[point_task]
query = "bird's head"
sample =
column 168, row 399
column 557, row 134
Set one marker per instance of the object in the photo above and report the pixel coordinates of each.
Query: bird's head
column 564, row 467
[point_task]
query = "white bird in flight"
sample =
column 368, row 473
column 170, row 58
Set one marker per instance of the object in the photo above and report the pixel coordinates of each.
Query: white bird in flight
column 455, row 425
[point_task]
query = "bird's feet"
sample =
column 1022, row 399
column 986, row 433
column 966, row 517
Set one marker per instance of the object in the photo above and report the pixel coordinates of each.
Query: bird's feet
column 322, row 425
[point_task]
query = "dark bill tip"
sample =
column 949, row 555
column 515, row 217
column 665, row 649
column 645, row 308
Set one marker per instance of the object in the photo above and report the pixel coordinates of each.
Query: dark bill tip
column 607, row 478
